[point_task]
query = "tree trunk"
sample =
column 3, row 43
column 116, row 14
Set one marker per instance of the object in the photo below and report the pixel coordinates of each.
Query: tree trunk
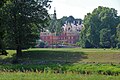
column 0, row 46
column 18, row 51
column 17, row 37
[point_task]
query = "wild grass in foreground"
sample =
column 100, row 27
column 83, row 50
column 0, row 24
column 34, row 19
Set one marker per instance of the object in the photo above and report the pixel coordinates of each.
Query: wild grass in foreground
column 52, row 76
column 104, row 69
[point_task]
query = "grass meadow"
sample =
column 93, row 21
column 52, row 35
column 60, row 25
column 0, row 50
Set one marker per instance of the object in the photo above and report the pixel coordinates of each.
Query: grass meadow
column 52, row 76
column 61, row 64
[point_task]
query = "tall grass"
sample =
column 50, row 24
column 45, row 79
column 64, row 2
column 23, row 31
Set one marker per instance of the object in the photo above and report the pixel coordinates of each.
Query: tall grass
column 104, row 69
column 52, row 76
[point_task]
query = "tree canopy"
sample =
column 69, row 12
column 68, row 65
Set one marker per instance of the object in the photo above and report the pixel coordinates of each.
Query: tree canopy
column 22, row 21
column 100, row 28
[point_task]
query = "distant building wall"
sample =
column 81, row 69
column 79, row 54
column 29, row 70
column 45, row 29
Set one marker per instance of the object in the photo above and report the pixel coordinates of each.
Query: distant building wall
column 50, row 38
column 65, row 37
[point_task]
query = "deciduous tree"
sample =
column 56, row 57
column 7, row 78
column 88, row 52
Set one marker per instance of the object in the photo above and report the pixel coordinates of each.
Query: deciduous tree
column 24, row 20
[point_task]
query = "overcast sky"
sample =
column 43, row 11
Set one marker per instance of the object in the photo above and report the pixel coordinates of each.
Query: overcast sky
column 79, row 8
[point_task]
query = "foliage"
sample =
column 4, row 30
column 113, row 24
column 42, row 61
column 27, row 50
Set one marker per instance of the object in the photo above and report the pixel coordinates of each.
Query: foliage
column 105, row 35
column 2, row 30
column 23, row 21
column 2, row 2
column 100, row 28
column 118, row 35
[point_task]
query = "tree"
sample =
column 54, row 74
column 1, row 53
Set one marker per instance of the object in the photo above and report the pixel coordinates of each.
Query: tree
column 118, row 35
column 105, row 35
column 2, row 2
column 96, row 23
column 2, row 30
column 24, row 20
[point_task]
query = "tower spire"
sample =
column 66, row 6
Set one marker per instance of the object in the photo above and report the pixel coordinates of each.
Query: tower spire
column 55, row 13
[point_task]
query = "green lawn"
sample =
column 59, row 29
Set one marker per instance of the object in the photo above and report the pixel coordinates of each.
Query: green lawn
column 73, row 55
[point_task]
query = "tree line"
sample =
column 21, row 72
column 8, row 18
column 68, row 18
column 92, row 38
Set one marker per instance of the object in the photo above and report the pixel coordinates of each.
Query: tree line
column 101, row 29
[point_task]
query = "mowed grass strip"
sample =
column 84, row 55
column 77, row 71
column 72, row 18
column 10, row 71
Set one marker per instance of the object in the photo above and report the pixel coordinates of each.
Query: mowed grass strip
column 74, row 55
column 103, row 58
